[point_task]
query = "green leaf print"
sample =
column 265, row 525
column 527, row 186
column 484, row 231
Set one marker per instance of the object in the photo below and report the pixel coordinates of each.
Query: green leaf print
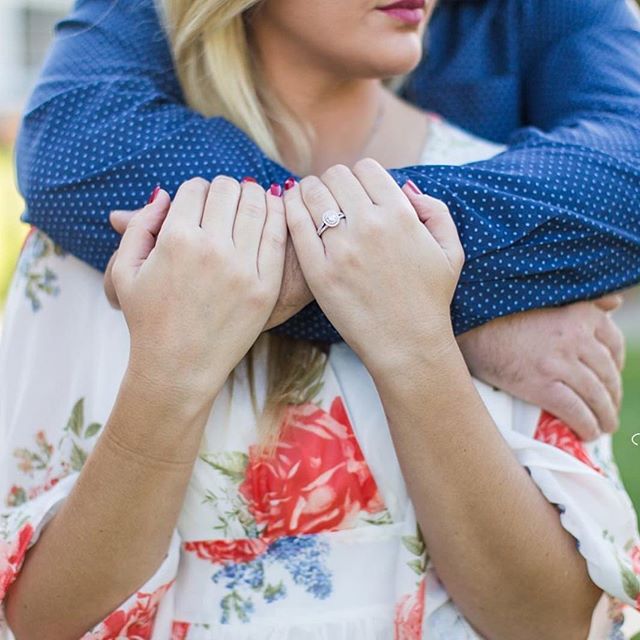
column 78, row 457
column 76, row 420
column 417, row 566
column 414, row 544
column 630, row 582
column 232, row 464
column 92, row 429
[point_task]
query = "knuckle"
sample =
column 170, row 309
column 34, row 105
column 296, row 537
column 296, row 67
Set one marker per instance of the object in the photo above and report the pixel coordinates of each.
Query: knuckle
column 277, row 240
column 335, row 171
column 225, row 185
column 195, row 185
column 176, row 240
column 348, row 258
column 367, row 164
column 562, row 400
column 253, row 208
column 547, row 367
column 259, row 297
column 313, row 190
column 375, row 230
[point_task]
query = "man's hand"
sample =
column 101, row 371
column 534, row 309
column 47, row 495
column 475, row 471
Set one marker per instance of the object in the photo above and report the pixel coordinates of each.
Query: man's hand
column 567, row 360
column 294, row 292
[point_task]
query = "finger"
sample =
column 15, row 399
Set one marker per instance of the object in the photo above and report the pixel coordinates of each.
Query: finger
column 586, row 384
column 250, row 219
column 435, row 216
column 109, row 288
column 609, row 303
column 381, row 188
column 564, row 403
column 348, row 192
column 307, row 243
column 187, row 206
column 612, row 338
column 599, row 359
column 119, row 219
column 140, row 236
column 221, row 207
column 318, row 199
column 273, row 242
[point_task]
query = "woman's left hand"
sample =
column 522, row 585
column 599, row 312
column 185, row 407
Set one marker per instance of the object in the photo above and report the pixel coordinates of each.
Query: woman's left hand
column 386, row 275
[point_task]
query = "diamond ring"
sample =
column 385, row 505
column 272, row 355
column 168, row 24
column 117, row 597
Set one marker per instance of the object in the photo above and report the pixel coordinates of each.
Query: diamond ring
column 330, row 218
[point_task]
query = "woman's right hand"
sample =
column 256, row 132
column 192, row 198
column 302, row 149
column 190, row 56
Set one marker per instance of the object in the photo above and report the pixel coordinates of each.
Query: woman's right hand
column 197, row 279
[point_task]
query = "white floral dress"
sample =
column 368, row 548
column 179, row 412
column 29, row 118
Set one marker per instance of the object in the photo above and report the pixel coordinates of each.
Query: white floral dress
column 316, row 542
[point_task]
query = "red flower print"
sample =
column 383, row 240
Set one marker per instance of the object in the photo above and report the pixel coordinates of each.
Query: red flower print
column 553, row 431
column 179, row 630
column 409, row 614
column 317, row 479
column 243, row 550
column 12, row 556
column 134, row 624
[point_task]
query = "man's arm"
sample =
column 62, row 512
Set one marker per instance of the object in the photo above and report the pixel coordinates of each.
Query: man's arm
column 552, row 220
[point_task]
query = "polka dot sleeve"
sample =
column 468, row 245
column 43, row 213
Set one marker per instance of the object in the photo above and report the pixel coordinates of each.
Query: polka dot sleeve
column 552, row 220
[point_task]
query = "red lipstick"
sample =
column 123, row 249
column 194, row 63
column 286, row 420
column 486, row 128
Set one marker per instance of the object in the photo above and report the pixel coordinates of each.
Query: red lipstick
column 407, row 11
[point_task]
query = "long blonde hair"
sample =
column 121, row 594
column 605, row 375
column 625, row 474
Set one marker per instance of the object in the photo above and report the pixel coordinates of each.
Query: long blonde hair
column 219, row 76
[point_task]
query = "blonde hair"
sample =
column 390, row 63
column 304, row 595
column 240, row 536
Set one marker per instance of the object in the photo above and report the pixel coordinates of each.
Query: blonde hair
column 220, row 76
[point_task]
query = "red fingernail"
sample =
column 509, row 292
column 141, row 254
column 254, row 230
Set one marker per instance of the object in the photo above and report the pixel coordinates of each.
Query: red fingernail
column 414, row 187
column 275, row 189
column 154, row 194
column 288, row 183
column 249, row 179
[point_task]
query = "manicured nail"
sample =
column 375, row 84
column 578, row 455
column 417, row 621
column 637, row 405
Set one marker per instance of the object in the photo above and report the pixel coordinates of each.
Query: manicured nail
column 249, row 179
column 275, row 189
column 288, row 183
column 414, row 187
column 154, row 194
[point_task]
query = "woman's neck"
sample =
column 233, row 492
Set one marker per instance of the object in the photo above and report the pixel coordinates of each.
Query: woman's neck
column 342, row 110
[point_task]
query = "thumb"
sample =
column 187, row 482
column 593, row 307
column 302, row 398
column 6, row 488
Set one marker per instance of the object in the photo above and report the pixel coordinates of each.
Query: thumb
column 120, row 219
column 140, row 235
column 610, row 302
column 435, row 216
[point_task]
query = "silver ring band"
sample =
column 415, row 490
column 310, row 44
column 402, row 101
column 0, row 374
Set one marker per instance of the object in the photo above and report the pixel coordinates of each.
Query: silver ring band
column 330, row 218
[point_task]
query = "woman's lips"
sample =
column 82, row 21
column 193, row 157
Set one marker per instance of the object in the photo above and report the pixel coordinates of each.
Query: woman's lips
column 408, row 11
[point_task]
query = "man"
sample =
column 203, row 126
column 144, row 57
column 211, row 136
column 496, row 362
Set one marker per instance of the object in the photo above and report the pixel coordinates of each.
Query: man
column 553, row 220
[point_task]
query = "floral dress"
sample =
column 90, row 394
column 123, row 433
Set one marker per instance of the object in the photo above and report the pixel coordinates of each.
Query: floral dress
column 316, row 540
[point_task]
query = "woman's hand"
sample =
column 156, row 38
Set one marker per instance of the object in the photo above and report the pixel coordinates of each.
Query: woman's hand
column 576, row 375
column 385, row 277
column 294, row 292
column 197, row 279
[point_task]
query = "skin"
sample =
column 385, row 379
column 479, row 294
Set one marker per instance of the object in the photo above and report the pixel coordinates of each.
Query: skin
column 577, row 378
column 433, row 408
column 174, row 259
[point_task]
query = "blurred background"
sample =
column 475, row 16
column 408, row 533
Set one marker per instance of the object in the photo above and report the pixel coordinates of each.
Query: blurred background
column 25, row 35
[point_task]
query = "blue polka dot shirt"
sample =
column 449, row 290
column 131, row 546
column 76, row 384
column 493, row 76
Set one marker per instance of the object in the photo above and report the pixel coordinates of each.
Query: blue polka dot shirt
column 554, row 219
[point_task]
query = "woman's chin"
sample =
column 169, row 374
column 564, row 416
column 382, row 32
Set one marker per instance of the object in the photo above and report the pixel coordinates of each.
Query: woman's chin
column 396, row 56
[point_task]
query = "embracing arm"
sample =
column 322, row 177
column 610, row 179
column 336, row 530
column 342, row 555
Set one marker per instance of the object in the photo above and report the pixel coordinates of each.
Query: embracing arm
column 106, row 123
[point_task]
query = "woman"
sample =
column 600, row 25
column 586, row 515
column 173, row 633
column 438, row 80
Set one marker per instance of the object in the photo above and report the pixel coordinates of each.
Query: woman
column 202, row 514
